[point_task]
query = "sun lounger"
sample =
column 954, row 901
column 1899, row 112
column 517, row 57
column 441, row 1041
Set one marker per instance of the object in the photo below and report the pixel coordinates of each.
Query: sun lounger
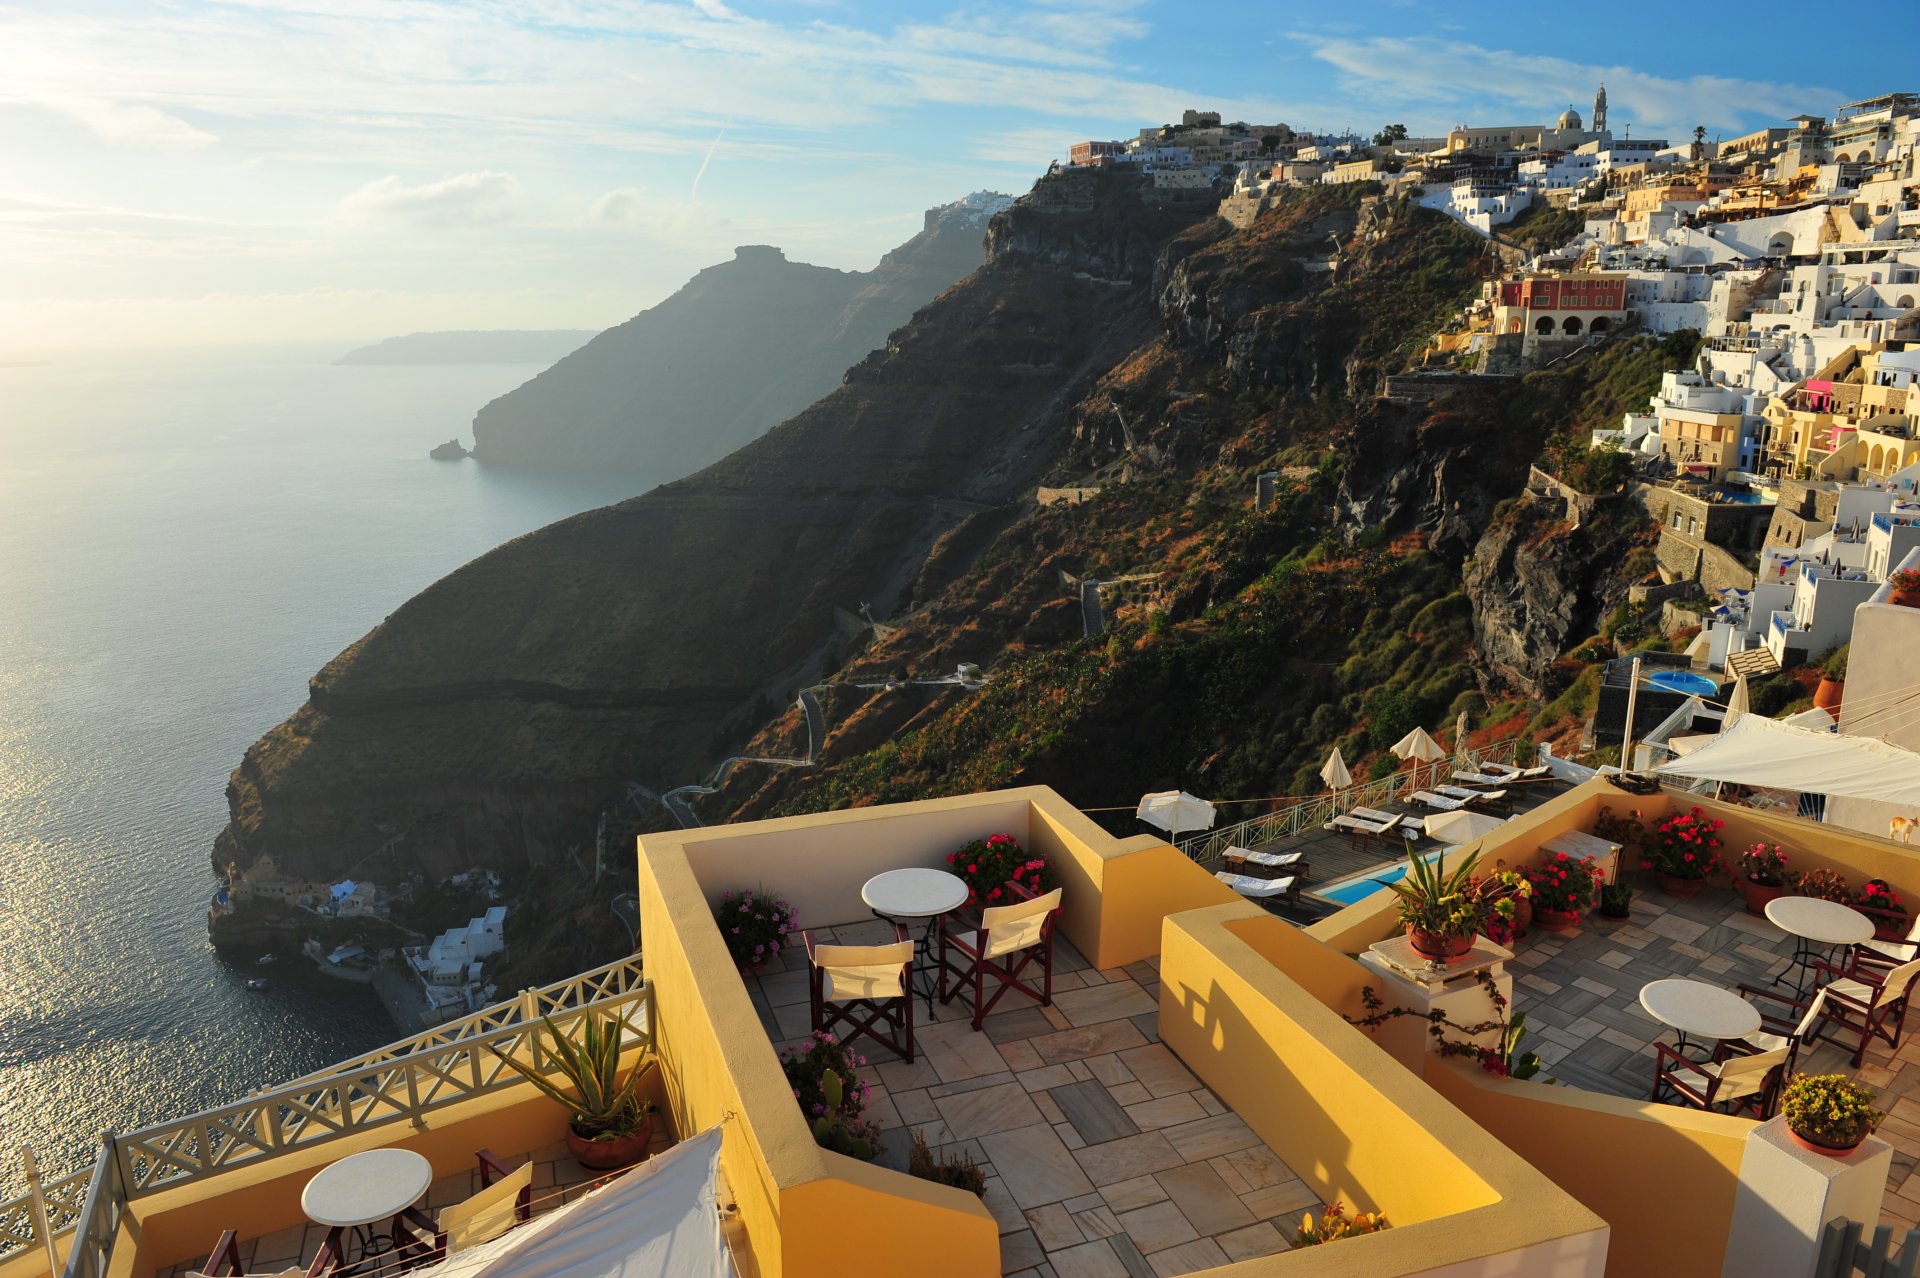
column 1478, row 778
column 1273, row 865
column 1361, row 829
column 1262, row 890
column 1375, row 814
column 1477, row 798
column 1508, row 774
column 1438, row 802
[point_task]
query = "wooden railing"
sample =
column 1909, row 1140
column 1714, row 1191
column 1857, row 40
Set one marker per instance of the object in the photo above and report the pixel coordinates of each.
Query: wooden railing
column 1312, row 813
column 393, row 1085
column 1843, row 1252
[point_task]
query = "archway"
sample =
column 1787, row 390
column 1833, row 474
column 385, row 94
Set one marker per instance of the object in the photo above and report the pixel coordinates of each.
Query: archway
column 1904, row 301
column 1781, row 245
column 1599, row 325
column 1875, row 460
column 1572, row 326
column 1543, row 325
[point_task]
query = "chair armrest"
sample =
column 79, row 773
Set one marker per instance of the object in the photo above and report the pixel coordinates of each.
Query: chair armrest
column 1020, row 892
column 329, row 1258
column 492, row 1167
column 806, row 939
column 1797, row 1006
column 1851, row 972
column 416, row 1239
column 225, row 1258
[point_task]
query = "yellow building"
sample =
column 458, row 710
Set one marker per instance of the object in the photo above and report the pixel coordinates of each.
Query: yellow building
column 1859, row 419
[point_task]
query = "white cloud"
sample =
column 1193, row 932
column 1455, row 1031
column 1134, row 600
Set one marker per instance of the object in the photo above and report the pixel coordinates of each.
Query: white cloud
column 624, row 206
column 465, row 199
column 131, row 124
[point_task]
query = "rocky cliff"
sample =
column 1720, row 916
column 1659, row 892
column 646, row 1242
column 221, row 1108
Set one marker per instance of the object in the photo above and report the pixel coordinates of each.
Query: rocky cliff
column 741, row 346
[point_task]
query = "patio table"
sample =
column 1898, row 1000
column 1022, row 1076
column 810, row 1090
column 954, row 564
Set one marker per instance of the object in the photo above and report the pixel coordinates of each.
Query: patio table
column 362, row 1189
column 902, row 896
column 1813, row 922
column 1695, row 1007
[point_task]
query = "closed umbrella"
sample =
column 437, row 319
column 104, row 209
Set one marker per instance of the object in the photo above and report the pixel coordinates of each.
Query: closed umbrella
column 1460, row 738
column 1174, row 811
column 1420, row 747
column 1736, row 703
column 1461, row 826
column 1335, row 772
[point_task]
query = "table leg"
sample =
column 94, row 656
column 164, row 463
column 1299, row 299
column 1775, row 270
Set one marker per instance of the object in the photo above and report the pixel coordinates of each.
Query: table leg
column 925, row 978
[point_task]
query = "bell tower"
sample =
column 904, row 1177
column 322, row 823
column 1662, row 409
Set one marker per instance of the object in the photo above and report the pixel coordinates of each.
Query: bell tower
column 1599, row 119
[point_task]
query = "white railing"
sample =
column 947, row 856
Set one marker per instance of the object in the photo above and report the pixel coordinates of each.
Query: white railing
column 1311, row 813
column 393, row 1085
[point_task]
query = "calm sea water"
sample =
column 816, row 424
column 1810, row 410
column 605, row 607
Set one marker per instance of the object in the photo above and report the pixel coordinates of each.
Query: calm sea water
column 182, row 543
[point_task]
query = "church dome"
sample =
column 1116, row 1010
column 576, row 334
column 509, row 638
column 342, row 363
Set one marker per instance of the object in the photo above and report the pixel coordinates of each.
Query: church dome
column 1569, row 119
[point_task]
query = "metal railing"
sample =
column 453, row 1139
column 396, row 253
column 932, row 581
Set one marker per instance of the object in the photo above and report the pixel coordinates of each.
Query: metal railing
column 1312, row 813
column 392, row 1085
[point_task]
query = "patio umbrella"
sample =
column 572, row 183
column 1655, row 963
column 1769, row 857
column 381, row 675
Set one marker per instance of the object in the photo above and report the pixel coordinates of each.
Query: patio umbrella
column 1419, row 747
column 1335, row 773
column 1736, row 703
column 1174, row 811
column 1460, row 737
column 1461, row 826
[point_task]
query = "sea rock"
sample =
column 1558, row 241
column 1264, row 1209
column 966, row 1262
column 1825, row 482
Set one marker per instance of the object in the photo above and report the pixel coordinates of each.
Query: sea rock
column 449, row 451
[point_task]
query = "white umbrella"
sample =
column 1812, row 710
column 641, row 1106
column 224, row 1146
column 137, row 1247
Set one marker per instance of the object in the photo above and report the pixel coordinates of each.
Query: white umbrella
column 1461, row 826
column 1174, row 811
column 1736, row 703
column 1460, row 737
column 1335, row 772
column 1420, row 747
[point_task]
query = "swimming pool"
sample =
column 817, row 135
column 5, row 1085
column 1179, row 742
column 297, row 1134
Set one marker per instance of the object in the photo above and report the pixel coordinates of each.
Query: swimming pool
column 1684, row 682
column 1362, row 886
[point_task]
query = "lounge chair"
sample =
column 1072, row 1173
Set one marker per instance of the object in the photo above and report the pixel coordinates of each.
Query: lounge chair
column 1497, row 800
column 1438, row 802
column 1478, row 778
column 1354, row 826
column 1264, row 865
column 1261, row 890
column 1509, row 774
column 1375, row 814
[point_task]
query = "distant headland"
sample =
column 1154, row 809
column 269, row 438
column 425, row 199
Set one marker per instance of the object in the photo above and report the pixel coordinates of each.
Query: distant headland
column 496, row 346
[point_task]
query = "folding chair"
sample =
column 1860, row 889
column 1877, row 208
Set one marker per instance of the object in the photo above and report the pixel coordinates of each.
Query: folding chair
column 224, row 1261
column 867, row 988
column 1008, row 940
column 1738, row 1083
column 1866, row 999
column 505, row 1200
column 1791, row 1031
column 1891, row 953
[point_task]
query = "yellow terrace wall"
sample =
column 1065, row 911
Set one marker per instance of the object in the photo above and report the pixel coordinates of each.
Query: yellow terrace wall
column 1600, row 1149
column 1351, row 1121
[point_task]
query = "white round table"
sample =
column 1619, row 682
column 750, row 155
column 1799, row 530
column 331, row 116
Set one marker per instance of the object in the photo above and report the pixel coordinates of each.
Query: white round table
column 1695, row 1007
column 916, row 894
column 1812, row 921
column 364, row 1188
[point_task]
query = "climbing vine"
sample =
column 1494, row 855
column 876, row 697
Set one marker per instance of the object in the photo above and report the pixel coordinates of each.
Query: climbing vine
column 1506, row 1059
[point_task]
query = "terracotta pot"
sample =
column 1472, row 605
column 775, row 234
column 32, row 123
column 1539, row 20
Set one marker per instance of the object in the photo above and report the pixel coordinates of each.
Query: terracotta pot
column 1905, row 598
column 1819, row 1146
column 1828, row 695
column 1758, row 894
column 1522, row 914
column 1679, row 887
column 1441, row 948
column 605, row 1155
column 1888, row 927
column 1556, row 920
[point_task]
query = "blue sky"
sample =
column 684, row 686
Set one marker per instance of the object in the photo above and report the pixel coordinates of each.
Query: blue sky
column 211, row 172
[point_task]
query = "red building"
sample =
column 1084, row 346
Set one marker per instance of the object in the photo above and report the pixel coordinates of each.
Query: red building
column 1084, row 153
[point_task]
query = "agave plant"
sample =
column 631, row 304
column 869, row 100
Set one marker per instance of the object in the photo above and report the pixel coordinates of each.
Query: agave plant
column 603, row 1106
column 1439, row 900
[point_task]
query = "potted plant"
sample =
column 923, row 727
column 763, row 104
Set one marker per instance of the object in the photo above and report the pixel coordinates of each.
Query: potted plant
column 958, row 1170
column 610, row 1124
column 1562, row 887
column 1881, row 903
column 1684, row 850
column 1823, row 883
column 1906, row 587
column 1833, row 681
column 987, row 865
column 1616, row 901
column 1439, row 907
column 1509, row 900
column 1762, row 875
column 1334, row 1223
column 831, row 1095
column 755, row 925
column 1829, row 1113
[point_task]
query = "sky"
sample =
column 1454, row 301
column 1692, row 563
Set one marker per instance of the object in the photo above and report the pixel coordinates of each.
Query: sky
column 231, row 171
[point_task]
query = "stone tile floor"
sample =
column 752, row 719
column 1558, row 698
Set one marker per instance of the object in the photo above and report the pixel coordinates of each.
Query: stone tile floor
column 558, row 1178
column 1581, row 993
column 1105, row 1157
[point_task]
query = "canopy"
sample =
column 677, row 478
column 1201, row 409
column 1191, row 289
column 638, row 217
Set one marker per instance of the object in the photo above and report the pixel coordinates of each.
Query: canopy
column 1460, row 827
column 1766, row 752
column 1335, row 772
column 1175, row 810
column 1418, row 745
column 344, row 889
column 660, row 1220
column 1736, row 702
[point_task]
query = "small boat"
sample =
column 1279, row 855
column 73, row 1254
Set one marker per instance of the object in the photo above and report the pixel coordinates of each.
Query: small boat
column 257, row 983
column 264, row 959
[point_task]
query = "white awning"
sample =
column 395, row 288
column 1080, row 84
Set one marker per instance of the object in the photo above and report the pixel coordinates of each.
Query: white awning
column 660, row 1220
column 1766, row 752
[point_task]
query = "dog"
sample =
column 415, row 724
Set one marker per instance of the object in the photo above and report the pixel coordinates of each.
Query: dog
column 1901, row 829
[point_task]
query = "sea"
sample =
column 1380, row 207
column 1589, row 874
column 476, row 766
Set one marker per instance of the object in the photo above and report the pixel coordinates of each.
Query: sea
column 184, row 540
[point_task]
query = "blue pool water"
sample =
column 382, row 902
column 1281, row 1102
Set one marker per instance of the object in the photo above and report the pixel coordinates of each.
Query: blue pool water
column 1742, row 497
column 1360, row 887
column 1685, row 682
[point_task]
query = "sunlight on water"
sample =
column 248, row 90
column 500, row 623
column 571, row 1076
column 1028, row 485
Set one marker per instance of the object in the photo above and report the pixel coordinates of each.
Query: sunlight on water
column 182, row 544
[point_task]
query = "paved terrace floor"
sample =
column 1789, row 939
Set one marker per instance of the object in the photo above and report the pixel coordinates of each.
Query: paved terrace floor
column 1581, row 993
column 558, row 1178
column 1105, row 1157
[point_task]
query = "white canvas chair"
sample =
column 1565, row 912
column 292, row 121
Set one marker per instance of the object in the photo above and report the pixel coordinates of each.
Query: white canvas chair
column 1007, row 941
column 1892, row 953
column 505, row 1199
column 1739, row 1084
column 868, row 989
column 1867, row 1000
column 1777, row 1032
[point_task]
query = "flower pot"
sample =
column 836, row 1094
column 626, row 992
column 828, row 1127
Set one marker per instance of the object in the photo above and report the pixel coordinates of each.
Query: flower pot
column 1556, row 920
column 1438, row 946
column 1888, row 927
column 1678, row 887
column 605, row 1155
column 1814, row 1142
column 1758, row 894
column 1905, row 598
column 1828, row 696
column 1522, row 914
column 1616, row 912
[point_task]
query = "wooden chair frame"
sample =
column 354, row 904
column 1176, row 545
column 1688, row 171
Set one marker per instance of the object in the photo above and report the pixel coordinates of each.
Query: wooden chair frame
column 970, row 974
column 1880, row 1017
column 888, row 1022
column 224, row 1260
column 1757, row 1103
